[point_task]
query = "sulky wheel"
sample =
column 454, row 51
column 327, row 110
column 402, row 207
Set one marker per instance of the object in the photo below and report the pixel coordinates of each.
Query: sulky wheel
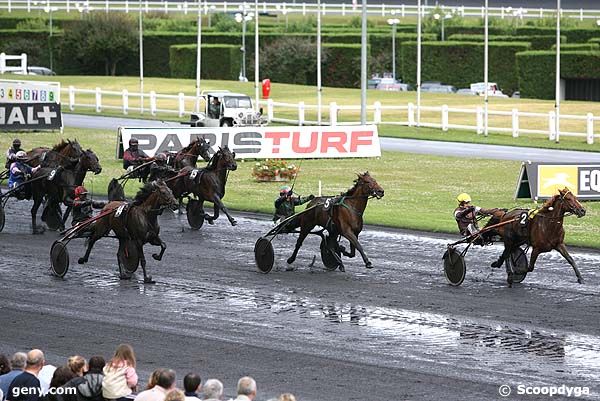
column 59, row 258
column 518, row 264
column 2, row 216
column 454, row 267
column 128, row 258
column 264, row 255
column 195, row 214
column 330, row 256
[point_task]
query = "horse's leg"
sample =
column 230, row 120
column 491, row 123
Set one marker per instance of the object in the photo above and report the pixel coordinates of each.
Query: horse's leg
column 563, row 251
column 219, row 205
column 156, row 241
column 535, row 252
column 90, row 244
column 37, row 201
column 350, row 236
column 304, row 231
column 506, row 254
column 147, row 278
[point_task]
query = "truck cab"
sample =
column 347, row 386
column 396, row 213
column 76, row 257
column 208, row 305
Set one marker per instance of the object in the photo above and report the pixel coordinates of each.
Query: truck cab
column 226, row 109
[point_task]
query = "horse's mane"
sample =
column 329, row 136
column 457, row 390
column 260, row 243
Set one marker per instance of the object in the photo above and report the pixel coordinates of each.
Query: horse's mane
column 351, row 191
column 63, row 144
column 189, row 146
column 212, row 163
column 144, row 193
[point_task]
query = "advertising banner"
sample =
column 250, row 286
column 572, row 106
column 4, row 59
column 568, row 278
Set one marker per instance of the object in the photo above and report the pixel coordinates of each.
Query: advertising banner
column 12, row 91
column 28, row 116
column 542, row 180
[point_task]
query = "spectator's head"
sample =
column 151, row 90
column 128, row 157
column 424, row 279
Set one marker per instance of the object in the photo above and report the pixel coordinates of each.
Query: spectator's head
column 61, row 375
column 247, row 386
column 191, row 383
column 286, row 397
column 4, row 364
column 166, row 379
column 96, row 364
column 77, row 365
column 213, row 389
column 123, row 354
column 175, row 395
column 35, row 360
column 153, row 379
column 18, row 361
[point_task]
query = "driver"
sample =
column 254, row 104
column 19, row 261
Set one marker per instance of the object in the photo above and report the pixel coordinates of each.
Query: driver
column 466, row 215
column 82, row 206
column 20, row 172
column 134, row 156
column 159, row 168
column 11, row 153
column 286, row 203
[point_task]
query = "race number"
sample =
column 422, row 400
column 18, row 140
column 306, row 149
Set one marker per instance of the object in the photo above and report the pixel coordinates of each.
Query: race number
column 52, row 175
column 327, row 203
column 193, row 174
column 523, row 219
column 120, row 210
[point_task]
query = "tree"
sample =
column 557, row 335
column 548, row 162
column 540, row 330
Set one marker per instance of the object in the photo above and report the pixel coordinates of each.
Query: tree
column 291, row 60
column 102, row 38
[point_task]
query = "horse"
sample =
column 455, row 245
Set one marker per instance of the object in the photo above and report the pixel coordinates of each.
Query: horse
column 65, row 154
column 188, row 156
column 541, row 229
column 207, row 184
column 341, row 215
column 59, row 184
column 137, row 222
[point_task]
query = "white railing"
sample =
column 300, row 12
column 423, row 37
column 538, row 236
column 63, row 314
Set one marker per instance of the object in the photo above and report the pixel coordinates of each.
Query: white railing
column 21, row 68
column 283, row 8
column 296, row 113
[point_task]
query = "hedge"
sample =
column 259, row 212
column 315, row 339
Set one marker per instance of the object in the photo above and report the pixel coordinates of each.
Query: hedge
column 461, row 63
column 574, row 35
column 536, row 70
column 538, row 42
column 33, row 42
column 578, row 46
column 342, row 67
column 182, row 61
column 476, row 29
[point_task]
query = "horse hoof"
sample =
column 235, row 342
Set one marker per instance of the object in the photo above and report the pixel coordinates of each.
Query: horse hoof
column 529, row 269
column 210, row 221
column 342, row 268
column 496, row 264
column 290, row 260
column 148, row 280
column 233, row 223
column 38, row 231
column 81, row 261
column 156, row 256
column 369, row 265
column 580, row 280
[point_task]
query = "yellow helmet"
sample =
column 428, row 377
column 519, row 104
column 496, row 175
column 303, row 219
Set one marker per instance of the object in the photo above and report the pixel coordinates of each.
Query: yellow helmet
column 463, row 198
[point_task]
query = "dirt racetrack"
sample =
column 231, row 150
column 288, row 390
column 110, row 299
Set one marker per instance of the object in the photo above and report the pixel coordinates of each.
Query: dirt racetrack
column 396, row 332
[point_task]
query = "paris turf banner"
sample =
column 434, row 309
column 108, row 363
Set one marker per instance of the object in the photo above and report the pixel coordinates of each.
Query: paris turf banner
column 30, row 116
column 543, row 180
column 262, row 142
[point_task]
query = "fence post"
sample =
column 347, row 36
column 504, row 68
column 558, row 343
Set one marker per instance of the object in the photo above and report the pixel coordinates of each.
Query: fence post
column 445, row 117
column 24, row 63
column 590, row 128
column 515, row 123
column 301, row 113
column 98, row 100
column 383, row 9
column 502, row 12
column 303, row 9
column 125, row 97
column 343, row 9
column 71, row 98
column 479, row 119
column 2, row 63
column 270, row 110
column 153, row 103
column 377, row 113
column 581, row 14
column 333, row 114
column 181, row 104
column 403, row 11
column 551, row 126
column 411, row 115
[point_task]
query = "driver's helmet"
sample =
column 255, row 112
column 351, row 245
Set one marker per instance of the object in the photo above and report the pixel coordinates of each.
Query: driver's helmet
column 80, row 190
column 160, row 158
column 21, row 155
column 285, row 190
column 463, row 198
column 16, row 143
column 133, row 142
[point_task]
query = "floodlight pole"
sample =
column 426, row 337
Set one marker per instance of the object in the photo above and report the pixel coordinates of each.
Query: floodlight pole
column 256, row 55
column 141, row 62
column 244, row 43
column 485, row 70
column 394, row 51
column 419, row 63
column 363, row 66
column 319, row 88
column 557, row 100
column 198, row 57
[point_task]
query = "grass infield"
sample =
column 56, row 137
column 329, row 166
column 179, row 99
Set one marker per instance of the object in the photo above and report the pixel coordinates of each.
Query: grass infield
column 419, row 189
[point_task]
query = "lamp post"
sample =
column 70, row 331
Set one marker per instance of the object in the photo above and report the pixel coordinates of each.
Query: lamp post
column 393, row 22
column 243, row 17
column 438, row 17
column 557, row 94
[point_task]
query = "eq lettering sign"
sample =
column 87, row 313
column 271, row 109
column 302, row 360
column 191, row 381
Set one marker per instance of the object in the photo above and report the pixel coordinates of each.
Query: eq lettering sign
column 543, row 180
column 24, row 116
column 589, row 181
column 264, row 142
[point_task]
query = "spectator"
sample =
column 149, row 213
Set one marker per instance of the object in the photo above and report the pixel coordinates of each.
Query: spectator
column 213, row 390
column 286, row 397
column 45, row 377
column 77, row 364
column 175, row 395
column 61, row 376
column 246, row 389
column 17, row 363
column 192, row 384
column 120, row 377
column 4, row 365
column 90, row 389
column 164, row 383
column 153, row 379
column 27, row 379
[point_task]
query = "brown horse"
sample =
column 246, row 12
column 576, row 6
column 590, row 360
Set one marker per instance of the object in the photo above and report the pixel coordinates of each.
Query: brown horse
column 207, row 184
column 541, row 229
column 65, row 154
column 136, row 222
column 342, row 215
column 188, row 156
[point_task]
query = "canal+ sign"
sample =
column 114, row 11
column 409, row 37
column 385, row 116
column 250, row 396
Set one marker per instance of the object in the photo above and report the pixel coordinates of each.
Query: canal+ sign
column 542, row 180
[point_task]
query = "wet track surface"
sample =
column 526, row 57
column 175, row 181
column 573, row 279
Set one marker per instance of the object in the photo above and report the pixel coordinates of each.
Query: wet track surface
column 397, row 331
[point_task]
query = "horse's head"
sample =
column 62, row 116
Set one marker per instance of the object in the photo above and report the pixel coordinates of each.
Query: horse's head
column 570, row 202
column 90, row 162
column 368, row 185
column 226, row 159
column 165, row 195
column 73, row 149
column 201, row 147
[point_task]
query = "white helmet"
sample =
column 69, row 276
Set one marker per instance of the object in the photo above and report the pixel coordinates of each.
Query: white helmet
column 21, row 155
